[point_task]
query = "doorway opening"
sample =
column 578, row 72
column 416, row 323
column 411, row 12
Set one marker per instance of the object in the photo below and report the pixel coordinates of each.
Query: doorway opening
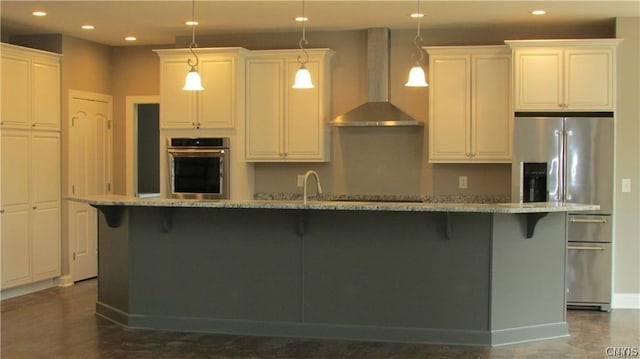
column 143, row 146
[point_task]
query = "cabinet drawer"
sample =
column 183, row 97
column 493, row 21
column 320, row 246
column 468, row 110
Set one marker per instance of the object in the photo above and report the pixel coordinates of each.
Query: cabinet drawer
column 589, row 228
column 589, row 273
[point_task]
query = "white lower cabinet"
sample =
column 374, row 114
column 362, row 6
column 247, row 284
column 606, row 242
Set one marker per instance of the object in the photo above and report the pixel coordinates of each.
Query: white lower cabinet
column 470, row 116
column 286, row 124
column 30, row 206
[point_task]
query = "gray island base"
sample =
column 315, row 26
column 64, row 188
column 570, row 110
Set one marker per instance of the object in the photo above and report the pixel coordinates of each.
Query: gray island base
column 466, row 276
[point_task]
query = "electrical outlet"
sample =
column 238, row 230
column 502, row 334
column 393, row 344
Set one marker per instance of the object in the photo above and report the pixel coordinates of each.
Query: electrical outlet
column 462, row 182
column 300, row 180
column 626, row 185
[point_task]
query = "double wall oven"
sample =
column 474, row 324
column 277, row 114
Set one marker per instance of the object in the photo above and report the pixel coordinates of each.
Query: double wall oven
column 198, row 167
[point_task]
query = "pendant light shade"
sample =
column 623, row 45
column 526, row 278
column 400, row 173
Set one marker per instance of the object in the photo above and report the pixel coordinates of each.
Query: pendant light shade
column 416, row 75
column 303, row 76
column 303, row 79
column 193, row 82
column 416, row 78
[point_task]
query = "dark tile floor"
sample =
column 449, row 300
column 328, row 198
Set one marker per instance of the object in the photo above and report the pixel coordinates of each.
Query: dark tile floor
column 60, row 323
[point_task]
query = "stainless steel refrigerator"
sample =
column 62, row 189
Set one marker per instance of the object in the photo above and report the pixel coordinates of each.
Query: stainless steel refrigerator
column 569, row 158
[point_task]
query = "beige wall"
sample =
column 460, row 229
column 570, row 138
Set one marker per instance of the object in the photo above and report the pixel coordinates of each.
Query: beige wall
column 627, row 165
column 85, row 66
column 135, row 71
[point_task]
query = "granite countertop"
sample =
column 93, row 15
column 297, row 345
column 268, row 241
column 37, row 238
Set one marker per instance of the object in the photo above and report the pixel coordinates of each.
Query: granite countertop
column 338, row 205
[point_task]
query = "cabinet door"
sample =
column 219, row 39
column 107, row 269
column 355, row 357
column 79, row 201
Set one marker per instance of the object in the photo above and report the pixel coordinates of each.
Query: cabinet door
column 589, row 79
column 491, row 108
column 264, row 110
column 538, row 79
column 45, row 168
column 177, row 106
column 216, row 103
column 303, row 127
column 16, row 250
column 45, row 98
column 15, row 92
column 45, row 241
column 449, row 124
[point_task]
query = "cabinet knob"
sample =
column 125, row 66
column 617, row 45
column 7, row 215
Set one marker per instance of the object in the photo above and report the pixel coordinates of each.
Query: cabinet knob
column 2, row 210
column 33, row 125
column 35, row 207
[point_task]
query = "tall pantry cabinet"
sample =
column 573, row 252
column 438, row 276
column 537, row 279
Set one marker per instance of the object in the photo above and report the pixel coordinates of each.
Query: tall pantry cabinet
column 30, row 166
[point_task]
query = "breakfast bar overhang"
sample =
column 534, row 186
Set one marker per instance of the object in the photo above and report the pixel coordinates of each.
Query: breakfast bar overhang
column 465, row 274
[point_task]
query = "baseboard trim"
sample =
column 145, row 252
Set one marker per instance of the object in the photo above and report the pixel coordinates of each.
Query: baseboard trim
column 27, row 289
column 626, row 301
column 65, row 281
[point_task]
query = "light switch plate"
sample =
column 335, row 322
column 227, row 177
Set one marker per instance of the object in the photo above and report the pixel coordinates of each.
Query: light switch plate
column 626, row 185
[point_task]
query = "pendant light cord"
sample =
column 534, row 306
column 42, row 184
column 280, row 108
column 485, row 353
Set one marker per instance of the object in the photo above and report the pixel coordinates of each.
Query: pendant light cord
column 193, row 36
column 303, row 41
column 418, row 38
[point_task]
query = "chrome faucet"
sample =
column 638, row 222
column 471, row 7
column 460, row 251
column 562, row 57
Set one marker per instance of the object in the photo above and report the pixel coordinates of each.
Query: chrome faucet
column 306, row 177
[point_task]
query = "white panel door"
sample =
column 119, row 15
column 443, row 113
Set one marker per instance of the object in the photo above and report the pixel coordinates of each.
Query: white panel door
column 45, row 112
column 90, row 172
column 538, row 82
column 589, row 79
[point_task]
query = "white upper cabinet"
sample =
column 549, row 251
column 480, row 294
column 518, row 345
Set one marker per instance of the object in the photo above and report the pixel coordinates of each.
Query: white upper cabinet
column 564, row 75
column 470, row 115
column 219, row 105
column 286, row 124
column 30, row 88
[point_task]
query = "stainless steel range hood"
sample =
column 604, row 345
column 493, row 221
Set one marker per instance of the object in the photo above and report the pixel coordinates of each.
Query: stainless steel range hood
column 378, row 111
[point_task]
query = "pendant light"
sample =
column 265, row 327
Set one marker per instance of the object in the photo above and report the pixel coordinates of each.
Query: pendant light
column 416, row 75
column 193, row 82
column 303, row 76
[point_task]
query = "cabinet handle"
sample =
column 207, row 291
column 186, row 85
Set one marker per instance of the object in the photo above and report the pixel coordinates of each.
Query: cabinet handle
column 33, row 125
column 2, row 210
column 587, row 248
column 586, row 220
column 35, row 207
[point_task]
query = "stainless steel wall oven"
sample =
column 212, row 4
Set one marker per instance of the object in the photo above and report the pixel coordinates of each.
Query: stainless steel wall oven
column 198, row 167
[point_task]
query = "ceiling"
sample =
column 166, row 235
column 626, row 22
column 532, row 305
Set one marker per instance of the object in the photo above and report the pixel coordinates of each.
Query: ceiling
column 160, row 22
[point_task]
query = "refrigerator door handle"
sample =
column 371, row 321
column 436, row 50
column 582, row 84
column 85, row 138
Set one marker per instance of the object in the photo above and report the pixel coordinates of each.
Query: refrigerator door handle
column 567, row 195
column 559, row 166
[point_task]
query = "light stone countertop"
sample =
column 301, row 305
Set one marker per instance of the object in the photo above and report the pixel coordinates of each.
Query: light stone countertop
column 348, row 205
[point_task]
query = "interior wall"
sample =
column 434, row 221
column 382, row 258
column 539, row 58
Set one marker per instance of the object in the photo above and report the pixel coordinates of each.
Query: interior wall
column 135, row 71
column 627, row 165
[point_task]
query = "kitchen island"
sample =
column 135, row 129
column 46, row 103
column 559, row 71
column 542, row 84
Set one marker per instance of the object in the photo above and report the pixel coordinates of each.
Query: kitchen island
column 473, row 274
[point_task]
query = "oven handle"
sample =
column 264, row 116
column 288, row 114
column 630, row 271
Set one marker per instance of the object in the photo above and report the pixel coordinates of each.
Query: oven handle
column 198, row 151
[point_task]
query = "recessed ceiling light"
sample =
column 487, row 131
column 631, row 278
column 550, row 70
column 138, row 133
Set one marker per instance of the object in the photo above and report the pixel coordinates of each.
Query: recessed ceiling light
column 88, row 27
column 416, row 15
column 191, row 23
column 538, row 12
column 39, row 13
column 130, row 38
column 302, row 18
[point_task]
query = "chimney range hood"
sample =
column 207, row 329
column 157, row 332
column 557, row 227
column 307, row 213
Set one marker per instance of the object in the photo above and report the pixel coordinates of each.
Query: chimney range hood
column 378, row 111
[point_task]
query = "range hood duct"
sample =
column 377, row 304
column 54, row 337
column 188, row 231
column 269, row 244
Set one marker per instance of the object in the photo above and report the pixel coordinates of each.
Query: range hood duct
column 378, row 111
